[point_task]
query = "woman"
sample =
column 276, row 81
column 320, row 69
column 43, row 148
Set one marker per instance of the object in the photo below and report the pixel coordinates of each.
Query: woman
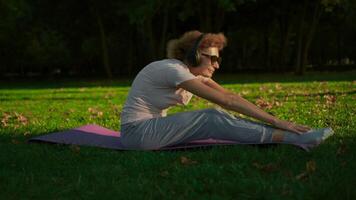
column 192, row 60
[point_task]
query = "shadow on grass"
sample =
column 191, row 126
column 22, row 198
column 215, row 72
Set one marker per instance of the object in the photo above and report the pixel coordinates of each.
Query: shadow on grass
column 221, row 78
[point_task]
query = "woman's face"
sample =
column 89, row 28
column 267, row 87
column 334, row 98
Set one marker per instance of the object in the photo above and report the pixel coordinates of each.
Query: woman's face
column 209, row 58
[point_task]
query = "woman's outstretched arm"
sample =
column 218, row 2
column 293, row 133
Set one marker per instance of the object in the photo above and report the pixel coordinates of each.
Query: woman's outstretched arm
column 215, row 93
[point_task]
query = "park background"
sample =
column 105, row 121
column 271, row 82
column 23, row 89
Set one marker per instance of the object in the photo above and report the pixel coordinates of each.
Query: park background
column 43, row 38
column 65, row 64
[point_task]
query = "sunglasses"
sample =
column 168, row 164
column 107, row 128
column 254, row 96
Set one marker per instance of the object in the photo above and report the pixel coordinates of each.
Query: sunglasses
column 213, row 59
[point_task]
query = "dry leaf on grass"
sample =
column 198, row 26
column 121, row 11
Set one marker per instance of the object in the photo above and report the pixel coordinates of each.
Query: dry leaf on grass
column 68, row 112
column 302, row 176
column 109, row 95
column 278, row 86
column 15, row 118
column 268, row 168
column 5, row 119
column 263, row 104
column 14, row 141
column 164, row 173
column 21, row 119
column 342, row 149
column 310, row 167
column 186, row 161
column 263, row 88
column 245, row 92
column 330, row 99
column 95, row 112
column 75, row 148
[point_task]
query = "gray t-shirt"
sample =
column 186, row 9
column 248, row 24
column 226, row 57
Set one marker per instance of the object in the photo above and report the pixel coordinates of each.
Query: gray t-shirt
column 154, row 90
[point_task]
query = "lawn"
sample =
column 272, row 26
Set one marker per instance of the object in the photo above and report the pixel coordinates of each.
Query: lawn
column 43, row 171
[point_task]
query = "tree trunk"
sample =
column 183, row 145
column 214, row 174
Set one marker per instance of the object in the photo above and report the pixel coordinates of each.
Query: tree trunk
column 103, row 41
column 298, row 61
column 205, row 18
column 219, row 19
column 267, row 56
column 310, row 34
column 130, row 57
column 104, row 48
column 339, row 44
column 162, row 49
column 285, row 31
column 148, row 32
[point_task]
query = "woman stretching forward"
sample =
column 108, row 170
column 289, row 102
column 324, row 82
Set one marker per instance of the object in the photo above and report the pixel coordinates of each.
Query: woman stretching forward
column 192, row 60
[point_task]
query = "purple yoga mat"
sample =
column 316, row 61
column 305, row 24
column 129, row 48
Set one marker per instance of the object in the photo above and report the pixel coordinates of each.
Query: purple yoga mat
column 94, row 135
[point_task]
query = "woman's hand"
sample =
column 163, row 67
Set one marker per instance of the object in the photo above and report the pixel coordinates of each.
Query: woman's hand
column 289, row 126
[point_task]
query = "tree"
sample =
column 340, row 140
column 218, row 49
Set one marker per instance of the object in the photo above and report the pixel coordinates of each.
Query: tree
column 310, row 13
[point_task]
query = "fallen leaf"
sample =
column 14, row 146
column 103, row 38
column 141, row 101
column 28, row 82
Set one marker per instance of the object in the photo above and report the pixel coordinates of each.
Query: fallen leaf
column 310, row 166
column 278, row 86
column 75, row 148
column 95, row 112
column 109, row 95
column 52, row 109
column 68, row 112
column 164, row 173
column 323, row 83
column 263, row 88
column 21, row 119
column 99, row 114
column 116, row 110
column 263, row 104
column 15, row 141
column 330, row 99
column 245, row 92
column 302, row 176
column 268, row 168
column 5, row 119
column 341, row 150
column 16, row 119
column 277, row 103
column 186, row 161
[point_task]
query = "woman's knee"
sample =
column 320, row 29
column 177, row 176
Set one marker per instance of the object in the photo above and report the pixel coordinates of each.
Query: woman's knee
column 220, row 114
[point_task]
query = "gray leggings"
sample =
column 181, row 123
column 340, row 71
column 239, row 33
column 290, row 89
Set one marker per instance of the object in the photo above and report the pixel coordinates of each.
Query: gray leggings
column 184, row 127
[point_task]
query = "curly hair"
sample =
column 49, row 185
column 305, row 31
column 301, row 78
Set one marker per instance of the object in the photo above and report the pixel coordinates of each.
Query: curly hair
column 178, row 48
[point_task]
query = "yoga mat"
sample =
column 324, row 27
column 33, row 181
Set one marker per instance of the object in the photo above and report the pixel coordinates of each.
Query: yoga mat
column 94, row 135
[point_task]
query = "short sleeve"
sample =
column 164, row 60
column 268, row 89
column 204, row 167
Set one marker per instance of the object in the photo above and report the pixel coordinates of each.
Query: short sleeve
column 176, row 74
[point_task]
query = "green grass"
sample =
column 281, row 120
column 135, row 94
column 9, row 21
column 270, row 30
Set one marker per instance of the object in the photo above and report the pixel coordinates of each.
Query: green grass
column 42, row 171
